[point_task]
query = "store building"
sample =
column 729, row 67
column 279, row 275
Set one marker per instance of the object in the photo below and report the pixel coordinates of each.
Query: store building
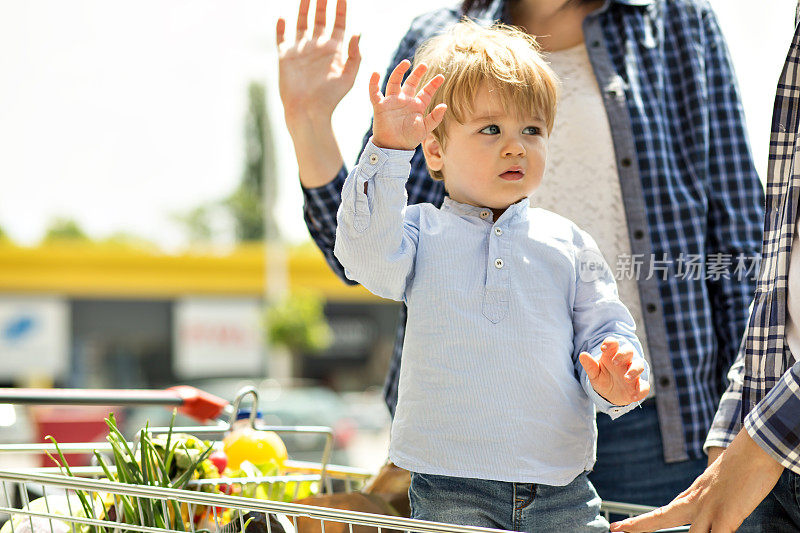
column 93, row 315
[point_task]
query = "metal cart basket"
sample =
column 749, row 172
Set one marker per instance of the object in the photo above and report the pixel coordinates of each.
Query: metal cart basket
column 80, row 503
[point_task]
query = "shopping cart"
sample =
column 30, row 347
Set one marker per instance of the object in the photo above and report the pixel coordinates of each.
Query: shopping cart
column 82, row 503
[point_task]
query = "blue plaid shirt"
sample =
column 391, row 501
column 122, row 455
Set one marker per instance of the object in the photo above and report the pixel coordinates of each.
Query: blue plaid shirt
column 689, row 188
column 764, row 391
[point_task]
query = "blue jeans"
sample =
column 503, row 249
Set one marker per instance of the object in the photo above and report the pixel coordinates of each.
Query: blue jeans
column 630, row 464
column 780, row 510
column 502, row 505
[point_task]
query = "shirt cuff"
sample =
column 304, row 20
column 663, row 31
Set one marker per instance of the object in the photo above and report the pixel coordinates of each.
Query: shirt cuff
column 373, row 160
column 727, row 421
column 321, row 198
column 773, row 422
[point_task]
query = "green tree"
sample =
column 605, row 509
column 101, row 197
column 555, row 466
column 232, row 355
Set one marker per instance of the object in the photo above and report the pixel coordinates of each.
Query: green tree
column 64, row 229
column 197, row 223
column 252, row 203
column 130, row 241
column 4, row 238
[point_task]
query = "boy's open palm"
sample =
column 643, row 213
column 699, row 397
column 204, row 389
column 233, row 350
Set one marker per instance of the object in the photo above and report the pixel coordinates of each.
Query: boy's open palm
column 614, row 375
column 400, row 122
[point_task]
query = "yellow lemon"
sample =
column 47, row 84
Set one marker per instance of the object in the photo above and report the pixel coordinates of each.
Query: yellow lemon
column 255, row 446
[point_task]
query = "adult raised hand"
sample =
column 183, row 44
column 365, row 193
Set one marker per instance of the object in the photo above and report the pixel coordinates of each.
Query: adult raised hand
column 314, row 71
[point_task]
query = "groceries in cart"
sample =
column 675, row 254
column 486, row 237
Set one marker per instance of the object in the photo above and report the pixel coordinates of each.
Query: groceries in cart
column 248, row 462
column 58, row 504
column 183, row 461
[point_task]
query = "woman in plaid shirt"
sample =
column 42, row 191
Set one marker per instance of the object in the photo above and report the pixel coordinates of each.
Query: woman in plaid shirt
column 664, row 108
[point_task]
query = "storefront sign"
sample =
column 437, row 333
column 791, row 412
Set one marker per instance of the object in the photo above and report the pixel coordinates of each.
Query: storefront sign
column 34, row 338
column 218, row 337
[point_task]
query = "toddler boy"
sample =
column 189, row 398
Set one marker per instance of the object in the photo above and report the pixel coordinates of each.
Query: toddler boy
column 515, row 331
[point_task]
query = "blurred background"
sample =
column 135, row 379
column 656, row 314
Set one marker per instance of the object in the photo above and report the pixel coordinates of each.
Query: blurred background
column 150, row 208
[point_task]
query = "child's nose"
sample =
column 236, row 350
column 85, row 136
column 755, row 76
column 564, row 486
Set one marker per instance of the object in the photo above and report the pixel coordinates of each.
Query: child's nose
column 514, row 147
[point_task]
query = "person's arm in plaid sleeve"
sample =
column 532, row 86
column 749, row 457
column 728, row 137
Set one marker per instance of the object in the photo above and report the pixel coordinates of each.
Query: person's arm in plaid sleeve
column 314, row 75
column 773, row 422
column 736, row 200
column 722, row 497
column 728, row 419
column 719, row 499
column 321, row 203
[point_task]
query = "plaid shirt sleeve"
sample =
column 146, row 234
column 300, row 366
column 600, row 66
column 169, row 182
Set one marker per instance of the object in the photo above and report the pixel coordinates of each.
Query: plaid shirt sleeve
column 728, row 420
column 735, row 201
column 319, row 211
column 773, row 422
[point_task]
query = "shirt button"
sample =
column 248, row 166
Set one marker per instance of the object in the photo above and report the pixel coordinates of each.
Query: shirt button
column 498, row 263
column 484, row 214
column 498, row 231
column 373, row 158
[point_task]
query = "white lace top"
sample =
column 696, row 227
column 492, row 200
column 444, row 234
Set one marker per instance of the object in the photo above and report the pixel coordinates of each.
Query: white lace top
column 581, row 181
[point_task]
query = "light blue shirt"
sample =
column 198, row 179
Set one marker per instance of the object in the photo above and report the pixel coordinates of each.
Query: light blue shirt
column 498, row 311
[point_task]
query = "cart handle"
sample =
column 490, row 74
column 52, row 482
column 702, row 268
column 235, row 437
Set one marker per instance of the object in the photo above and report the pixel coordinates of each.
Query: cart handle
column 190, row 401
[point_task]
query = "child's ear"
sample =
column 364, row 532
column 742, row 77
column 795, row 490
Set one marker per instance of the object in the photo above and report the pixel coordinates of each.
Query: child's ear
column 433, row 152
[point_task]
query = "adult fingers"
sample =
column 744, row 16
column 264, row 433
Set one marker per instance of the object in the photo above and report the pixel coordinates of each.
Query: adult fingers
column 339, row 22
column 374, row 90
column 319, row 18
column 411, row 83
column 427, row 92
column 393, row 85
column 302, row 19
column 672, row 515
column 280, row 30
column 353, row 57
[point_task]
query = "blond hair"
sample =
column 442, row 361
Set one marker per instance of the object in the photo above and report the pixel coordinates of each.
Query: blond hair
column 470, row 55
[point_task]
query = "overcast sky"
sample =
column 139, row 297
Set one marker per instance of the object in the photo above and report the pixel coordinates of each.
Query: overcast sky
column 122, row 114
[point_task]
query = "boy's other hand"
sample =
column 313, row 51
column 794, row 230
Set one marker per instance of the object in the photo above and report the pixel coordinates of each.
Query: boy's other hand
column 615, row 376
column 314, row 73
column 400, row 122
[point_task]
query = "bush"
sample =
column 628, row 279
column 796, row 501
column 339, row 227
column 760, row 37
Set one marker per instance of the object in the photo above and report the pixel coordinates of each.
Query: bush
column 298, row 323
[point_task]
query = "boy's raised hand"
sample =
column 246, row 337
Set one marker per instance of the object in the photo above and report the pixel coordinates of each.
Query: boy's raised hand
column 615, row 376
column 399, row 121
